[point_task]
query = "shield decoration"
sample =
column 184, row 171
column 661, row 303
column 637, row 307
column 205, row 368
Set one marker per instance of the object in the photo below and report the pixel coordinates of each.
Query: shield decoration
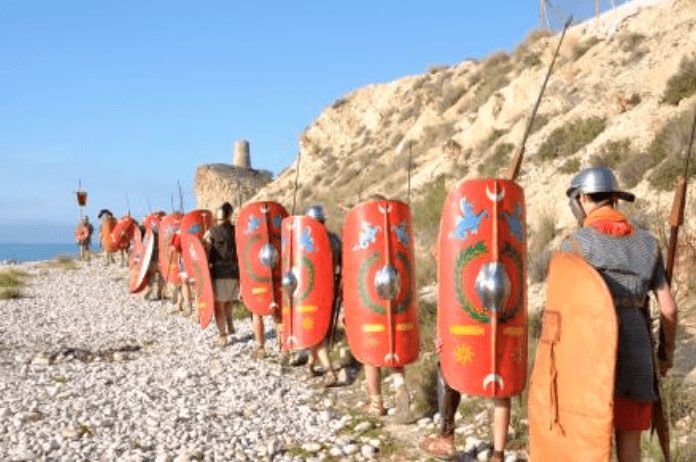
column 196, row 223
column 196, row 266
column 381, row 306
column 139, row 274
column 107, row 241
column 307, row 282
column 123, row 232
column 168, row 258
column 482, row 299
column 258, row 239
column 571, row 389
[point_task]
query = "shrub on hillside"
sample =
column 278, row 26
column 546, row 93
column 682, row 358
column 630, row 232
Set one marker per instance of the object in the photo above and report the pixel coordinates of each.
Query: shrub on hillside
column 612, row 153
column 682, row 84
column 667, row 150
column 571, row 165
column 583, row 47
column 539, row 122
column 539, row 252
column 570, row 138
column 500, row 158
column 631, row 41
column 491, row 77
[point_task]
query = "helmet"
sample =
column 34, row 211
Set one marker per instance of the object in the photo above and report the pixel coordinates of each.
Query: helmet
column 224, row 211
column 597, row 180
column 316, row 212
column 593, row 180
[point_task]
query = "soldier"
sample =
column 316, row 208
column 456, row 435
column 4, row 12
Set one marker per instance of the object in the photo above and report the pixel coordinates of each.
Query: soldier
column 83, row 237
column 183, row 292
column 382, row 328
column 321, row 352
column 481, row 334
column 107, row 224
column 224, row 269
column 630, row 262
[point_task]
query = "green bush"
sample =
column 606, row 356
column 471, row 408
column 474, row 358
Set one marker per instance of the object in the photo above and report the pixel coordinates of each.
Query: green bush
column 583, row 47
column 539, row 253
column 630, row 42
column 570, row 138
column 682, row 84
column 428, row 210
column 612, row 154
column 571, row 165
column 499, row 158
column 491, row 77
column 11, row 281
column 539, row 122
column 667, row 150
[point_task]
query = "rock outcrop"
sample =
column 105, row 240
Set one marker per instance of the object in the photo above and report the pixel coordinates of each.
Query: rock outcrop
column 235, row 183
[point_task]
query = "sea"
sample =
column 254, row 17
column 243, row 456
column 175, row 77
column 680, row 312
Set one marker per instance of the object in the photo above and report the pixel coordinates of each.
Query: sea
column 34, row 252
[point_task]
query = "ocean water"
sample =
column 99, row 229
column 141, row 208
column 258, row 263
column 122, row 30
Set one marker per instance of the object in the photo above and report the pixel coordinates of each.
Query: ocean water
column 35, row 252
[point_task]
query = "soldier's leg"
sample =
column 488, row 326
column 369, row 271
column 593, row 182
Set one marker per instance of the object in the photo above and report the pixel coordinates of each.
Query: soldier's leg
column 221, row 321
column 373, row 379
column 260, row 336
column 442, row 445
column 501, row 422
column 628, row 445
column 322, row 353
column 186, row 296
column 403, row 399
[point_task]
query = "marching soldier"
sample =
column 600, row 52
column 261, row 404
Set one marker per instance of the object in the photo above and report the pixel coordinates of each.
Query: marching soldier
column 183, row 291
column 381, row 311
column 83, row 237
column 107, row 225
column 224, row 269
column 321, row 353
column 481, row 332
column 630, row 264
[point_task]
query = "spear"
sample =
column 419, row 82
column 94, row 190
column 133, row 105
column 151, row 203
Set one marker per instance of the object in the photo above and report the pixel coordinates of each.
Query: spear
column 181, row 197
column 410, row 156
column 676, row 220
column 297, row 177
column 128, row 204
column 514, row 168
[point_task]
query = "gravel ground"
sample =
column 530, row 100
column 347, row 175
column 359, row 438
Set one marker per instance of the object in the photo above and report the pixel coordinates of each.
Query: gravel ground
column 89, row 372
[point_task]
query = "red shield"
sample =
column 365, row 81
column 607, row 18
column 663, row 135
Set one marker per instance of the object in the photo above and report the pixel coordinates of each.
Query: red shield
column 139, row 273
column 123, row 232
column 308, row 299
column 136, row 249
column 382, row 329
column 196, row 266
column 107, row 242
column 152, row 220
column 81, row 233
column 168, row 257
column 482, row 303
column 196, row 222
column 258, row 240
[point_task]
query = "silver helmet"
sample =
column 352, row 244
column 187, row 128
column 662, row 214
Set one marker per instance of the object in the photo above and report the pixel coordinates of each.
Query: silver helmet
column 593, row 180
column 316, row 212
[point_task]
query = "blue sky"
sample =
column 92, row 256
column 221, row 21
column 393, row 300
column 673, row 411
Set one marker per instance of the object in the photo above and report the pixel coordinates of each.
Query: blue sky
column 130, row 96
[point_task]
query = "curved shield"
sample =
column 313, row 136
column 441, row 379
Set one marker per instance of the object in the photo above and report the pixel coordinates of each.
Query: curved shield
column 139, row 273
column 135, row 249
column 258, row 240
column 196, row 223
column 152, row 220
column 107, row 226
column 168, row 257
column 308, row 282
column 379, row 288
column 123, row 232
column 482, row 299
column 571, row 389
column 196, row 266
column 81, row 233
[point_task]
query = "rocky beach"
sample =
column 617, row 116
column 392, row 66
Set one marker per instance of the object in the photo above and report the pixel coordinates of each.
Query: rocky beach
column 88, row 372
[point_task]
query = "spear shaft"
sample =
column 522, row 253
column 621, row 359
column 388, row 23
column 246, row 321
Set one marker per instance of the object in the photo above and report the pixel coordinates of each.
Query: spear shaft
column 516, row 164
column 297, row 177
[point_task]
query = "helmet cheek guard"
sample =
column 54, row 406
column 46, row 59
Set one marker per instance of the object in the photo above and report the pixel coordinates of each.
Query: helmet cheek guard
column 576, row 206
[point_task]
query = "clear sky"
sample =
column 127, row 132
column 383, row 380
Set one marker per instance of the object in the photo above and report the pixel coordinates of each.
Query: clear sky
column 130, row 96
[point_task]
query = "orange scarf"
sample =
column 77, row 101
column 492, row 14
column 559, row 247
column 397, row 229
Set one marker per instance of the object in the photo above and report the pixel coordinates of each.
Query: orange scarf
column 608, row 220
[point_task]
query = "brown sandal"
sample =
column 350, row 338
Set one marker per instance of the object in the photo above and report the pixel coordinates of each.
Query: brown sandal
column 439, row 446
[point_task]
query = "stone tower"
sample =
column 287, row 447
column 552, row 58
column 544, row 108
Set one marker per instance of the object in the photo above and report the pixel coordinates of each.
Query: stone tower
column 242, row 158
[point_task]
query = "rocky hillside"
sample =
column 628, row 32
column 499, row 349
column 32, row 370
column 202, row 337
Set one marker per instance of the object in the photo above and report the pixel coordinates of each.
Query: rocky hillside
column 609, row 99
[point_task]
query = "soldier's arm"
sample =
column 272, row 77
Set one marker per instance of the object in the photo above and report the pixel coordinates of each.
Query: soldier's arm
column 668, row 318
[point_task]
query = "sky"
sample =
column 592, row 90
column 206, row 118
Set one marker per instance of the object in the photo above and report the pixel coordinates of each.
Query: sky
column 131, row 96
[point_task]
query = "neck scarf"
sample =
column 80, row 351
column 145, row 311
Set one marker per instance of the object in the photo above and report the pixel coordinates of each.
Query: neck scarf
column 608, row 220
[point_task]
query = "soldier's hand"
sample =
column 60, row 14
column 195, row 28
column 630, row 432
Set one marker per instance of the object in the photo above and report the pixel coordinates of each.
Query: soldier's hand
column 665, row 366
column 438, row 345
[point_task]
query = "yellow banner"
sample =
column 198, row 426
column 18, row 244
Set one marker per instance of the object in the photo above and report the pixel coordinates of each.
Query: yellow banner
column 468, row 330
column 404, row 326
column 308, row 308
column 259, row 290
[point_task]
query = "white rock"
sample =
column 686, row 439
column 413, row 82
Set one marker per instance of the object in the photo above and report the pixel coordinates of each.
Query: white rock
column 368, row 451
column 350, row 449
column 312, row 447
column 363, row 426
